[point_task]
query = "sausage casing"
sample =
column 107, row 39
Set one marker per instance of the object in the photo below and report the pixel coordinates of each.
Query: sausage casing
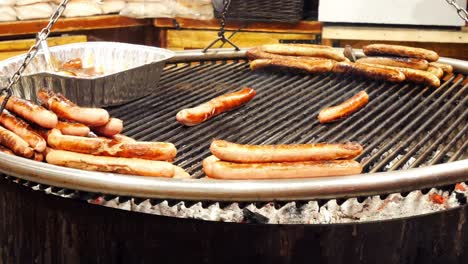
column 309, row 66
column 233, row 152
column 344, row 109
column 201, row 113
column 302, row 50
column 447, row 68
column 215, row 168
column 15, row 143
column 108, row 147
column 73, row 129
column 23, row 130
column 369, row 71
column 31, row 112
column 401, row 51
column 416, row 76
column 111, row 128
column 414, row 63
column 132, row 166
column 436, row 71
column 258, row 53
column 69, row 111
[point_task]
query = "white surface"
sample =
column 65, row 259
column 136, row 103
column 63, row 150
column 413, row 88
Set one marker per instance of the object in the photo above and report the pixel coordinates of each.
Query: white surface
column 406, row 12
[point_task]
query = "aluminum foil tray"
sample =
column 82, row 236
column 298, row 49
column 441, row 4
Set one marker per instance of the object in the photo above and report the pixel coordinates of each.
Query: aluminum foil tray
column 130, row 72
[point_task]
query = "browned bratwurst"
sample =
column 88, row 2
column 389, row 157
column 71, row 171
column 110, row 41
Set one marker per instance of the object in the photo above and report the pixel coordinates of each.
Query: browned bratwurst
column 309, row 66
column 73, row 129
column 401, row 51
column 369, row 71
column 436, row 71
column 215, row 168
column 416, row 76
column 233, row 152
column 344, row 109
column 304, row 50
column 108, row 147
column 201, row 113
column 111, row 164
column 447, row 68
column 23, row 130
column 258, row 53
column 31, row 112
column 69, row 111
column 15, row 143
column 113, row 127
column 414, row 63
column 6, row 150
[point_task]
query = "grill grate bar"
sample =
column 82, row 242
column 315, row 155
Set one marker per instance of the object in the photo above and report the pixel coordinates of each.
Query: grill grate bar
column 307, row 118
column 460, row 152
column 440, row 138
column 140, row 104
column 403, row 121
column 427, row 137
column 285, row 111
column 179, row 98
column 169, row 135
column 445, row 150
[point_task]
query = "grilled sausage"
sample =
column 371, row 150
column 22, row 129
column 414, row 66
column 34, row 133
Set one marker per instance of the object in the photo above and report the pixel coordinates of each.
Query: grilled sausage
column 436, row 71
column 6, row 150
column 111, row 164
column 199, row 114
column 309, row 66
column 180, row 173
column 109, row 147
column 31, row 112
column 416, row 76
column 369, row 71
column 73, row 129
column 258, row 53
column 15, row 143
column 69, row 111
column 123, row 138
column 215, row 168
column 344, row 109
column 113, row 127
column 418, row 64
column 233, row 152
column 301, row 50
column 401, row 51
column 23, row 130
column 447, row 68
column 38, row 156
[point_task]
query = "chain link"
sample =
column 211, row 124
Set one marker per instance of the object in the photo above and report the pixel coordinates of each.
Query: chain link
column 462, row 13
column 42, row 36
column 226, row 4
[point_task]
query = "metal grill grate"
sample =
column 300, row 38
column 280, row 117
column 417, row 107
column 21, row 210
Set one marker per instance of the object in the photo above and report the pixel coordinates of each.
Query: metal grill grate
column 403, row 126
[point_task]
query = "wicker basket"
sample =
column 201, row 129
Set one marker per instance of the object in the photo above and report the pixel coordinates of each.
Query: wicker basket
column 290, row 11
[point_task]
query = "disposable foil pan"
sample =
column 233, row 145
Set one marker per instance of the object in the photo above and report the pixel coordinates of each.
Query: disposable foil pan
column 130, row 72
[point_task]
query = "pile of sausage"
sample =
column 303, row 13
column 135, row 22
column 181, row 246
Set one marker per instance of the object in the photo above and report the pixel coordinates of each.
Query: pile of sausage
column 233, row 161
column 62, row 133
column 392, row 63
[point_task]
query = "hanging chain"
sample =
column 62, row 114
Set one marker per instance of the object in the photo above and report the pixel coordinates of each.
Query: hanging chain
column 226, row 4
column 222, row 31
column 461, row 12
column 42, row 36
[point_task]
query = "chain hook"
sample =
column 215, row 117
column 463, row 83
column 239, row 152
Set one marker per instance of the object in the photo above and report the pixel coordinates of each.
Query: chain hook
column 462, row 13
column 221, row 34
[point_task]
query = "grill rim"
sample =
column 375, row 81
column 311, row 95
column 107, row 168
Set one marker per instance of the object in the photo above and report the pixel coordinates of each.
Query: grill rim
column 367, row 184
column 240, row 190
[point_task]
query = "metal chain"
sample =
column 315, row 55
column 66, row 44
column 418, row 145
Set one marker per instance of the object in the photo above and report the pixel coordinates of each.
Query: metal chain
column 461, row 12
column 42, row 36
column 226, row 4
